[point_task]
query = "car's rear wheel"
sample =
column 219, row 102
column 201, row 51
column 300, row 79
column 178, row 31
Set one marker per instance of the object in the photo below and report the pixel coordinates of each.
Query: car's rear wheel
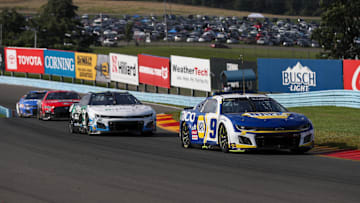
column 18, row 110
column 71, row 126
column 223, row 139
column 185, row 136
column 39, row 113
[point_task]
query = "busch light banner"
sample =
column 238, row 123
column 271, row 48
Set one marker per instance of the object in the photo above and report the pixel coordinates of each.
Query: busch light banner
column 102, row 68
column 299, row 75
column 61, row 63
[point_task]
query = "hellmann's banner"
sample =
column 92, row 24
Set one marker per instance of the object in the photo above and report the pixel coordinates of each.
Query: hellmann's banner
column 85, row 66
column 191, row 73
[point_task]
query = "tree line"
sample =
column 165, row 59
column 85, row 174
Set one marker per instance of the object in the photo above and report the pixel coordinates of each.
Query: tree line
column 283, row 7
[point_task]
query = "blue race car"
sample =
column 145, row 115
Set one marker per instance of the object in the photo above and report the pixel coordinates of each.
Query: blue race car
column 236, row 122
column 28, row 104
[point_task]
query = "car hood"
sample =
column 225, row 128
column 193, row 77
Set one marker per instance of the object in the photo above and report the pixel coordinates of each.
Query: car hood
column 121, row 110
column 32, row 102
column 286, row 120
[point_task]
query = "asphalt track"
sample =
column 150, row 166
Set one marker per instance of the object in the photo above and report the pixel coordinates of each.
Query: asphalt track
column 41, row 162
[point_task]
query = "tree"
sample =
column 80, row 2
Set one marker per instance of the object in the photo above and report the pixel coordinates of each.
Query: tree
column 339, row 28
column 13, row 26
column 59, row 27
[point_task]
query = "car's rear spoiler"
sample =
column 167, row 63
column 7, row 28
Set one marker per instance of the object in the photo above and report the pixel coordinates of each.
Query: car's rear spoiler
column 188, row 108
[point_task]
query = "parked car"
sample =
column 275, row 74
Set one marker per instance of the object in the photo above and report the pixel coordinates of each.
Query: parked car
column 56, row 104
column 239, row 122
column 111, row 112
column 28, row 104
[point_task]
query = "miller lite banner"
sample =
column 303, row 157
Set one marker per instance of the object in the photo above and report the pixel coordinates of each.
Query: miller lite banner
column 351, row 74
column 154, row 70
column 124, row 68
column 299, row 75
column 60, row 63
column 85, row 65
column 191, row 73
column 24, row 60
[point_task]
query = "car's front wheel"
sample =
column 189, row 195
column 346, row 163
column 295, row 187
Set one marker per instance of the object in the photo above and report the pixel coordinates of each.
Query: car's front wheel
column 185, row 136
column 223, row 139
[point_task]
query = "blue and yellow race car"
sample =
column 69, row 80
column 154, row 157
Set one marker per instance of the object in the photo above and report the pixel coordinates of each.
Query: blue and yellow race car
column 239, row 122
column 28, row 104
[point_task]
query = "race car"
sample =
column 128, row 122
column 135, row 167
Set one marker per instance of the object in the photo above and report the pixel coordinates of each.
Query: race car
column 27, row 105
column 111, row 112
column 56, row 104
column 241, row 122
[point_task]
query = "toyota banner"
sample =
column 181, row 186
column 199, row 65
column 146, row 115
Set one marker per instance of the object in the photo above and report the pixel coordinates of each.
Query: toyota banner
column 299, row 75
column 191, row 73
column 124, row 68
column 351, row 71
column 24, row 60
column 154, row 70
column 61, row 63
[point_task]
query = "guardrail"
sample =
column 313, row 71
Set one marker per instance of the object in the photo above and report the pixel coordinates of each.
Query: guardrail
column 344, row 98
column 5, row 111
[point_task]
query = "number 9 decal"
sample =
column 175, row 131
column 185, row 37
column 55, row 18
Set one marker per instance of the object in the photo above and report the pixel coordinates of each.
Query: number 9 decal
column 212, row 128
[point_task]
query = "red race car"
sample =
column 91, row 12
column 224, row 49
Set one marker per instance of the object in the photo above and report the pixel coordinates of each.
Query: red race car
column 56, row 104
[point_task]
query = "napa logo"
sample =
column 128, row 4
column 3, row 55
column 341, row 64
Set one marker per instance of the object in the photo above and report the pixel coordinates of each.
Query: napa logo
column 267, row 115
column 299, row 78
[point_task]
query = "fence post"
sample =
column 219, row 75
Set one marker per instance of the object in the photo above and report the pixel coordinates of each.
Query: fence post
column 108, row 84
column 116, row 85
column 127, row 86
column 168, row 90
column 12, row 74
column 41, row 76
column 145, row 87
column 192, row 93
column 73, row 80
column 156, row 89
column 178, row 90
column 137, row 88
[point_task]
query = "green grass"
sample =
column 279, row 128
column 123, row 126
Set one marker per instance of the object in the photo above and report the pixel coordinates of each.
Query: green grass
column 250, row 53
column 2, row 116
column 334, row 126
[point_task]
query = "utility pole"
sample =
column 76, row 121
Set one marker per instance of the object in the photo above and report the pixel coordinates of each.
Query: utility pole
column 1, row 34
column 35, row 38
column 243, row 72
column 165, row 20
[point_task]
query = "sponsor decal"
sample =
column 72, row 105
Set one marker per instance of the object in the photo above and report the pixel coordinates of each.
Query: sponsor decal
column 188, row 116
column 60, row 63
column 299, row 78
column 24, row 60
column 194, row 133
column 124, row 68
column 163, row 72
column 351, row 74
column 191, row 73
column 102, row 68
column 154, row 70
column 267, row 115
column 85, row 66
column 201, row 127
column 232, row 66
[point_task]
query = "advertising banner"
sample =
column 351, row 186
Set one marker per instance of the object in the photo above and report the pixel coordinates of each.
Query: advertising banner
column 218, row 65
column 85, row 66
column 295, row 75
column 154, row 70
column 2, row 59
column 191, row 73
column 102, row 68
column 124, row 68
column 24, row 60
column 351, row 72
column 60, row 63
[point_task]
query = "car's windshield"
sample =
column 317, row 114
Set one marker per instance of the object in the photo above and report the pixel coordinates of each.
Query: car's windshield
column 241, row 105
column 62, row 95
column 35, row 95
column 113, row 99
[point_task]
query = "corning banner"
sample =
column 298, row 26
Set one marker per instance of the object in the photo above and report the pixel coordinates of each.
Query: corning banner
column 2, row 59
column 102, row 68
column 124, row 68
column 24, row 60
column 60, row 63
column 85, row 65
column 299, row 75
column 191, row 73
column 218, row 65
column 351, row 71
column 154, row 70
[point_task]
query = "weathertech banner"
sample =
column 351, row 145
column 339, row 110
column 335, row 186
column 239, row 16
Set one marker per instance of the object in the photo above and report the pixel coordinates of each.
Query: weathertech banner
column 191, row 73
column 351, row 70
column 124, row 69
column 24, row 60
column 60, row 63
column 299, row 75
column 154, row 70
column 85, row 65
column 102, row 68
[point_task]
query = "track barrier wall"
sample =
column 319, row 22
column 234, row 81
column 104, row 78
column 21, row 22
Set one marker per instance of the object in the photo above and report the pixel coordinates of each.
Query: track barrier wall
column 5, row 111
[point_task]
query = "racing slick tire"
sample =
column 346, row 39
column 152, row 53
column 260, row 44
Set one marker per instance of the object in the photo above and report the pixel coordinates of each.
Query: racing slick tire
column 18, row 111
column 87, row 126
column 71, row 127
column 38, row 114
column 185, row 136
column 223, row 139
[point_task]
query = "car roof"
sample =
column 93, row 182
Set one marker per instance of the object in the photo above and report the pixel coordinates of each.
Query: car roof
column 238, row 95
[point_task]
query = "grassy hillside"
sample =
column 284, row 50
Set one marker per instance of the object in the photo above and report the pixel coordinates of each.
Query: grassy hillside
column 130, row 7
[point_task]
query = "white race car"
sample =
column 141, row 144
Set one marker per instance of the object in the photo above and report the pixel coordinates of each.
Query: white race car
column 111, row 112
